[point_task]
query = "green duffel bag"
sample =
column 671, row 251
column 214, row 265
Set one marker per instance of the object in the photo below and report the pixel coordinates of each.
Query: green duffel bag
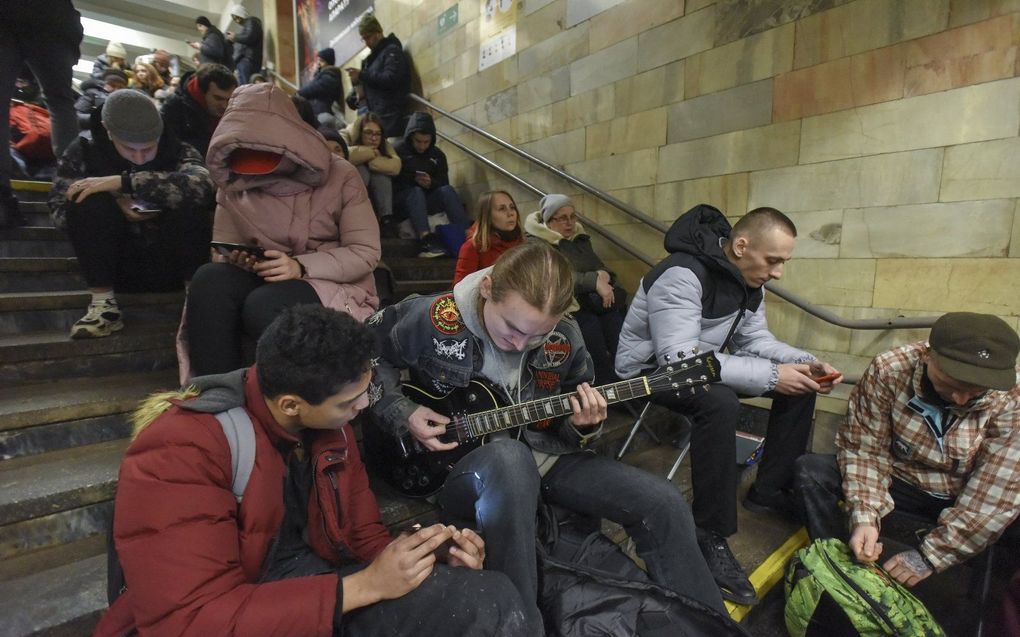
column 830, row 594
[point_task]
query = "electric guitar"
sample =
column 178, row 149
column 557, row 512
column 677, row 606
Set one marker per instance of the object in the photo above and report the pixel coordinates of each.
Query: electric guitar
column 477, row 411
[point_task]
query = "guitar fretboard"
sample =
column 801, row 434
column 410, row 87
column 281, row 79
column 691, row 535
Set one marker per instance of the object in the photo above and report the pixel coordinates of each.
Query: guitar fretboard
column 487, row 422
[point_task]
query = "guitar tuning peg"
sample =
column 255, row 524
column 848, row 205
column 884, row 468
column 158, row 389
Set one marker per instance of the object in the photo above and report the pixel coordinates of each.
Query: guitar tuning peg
column 667, row 358
column 706, row 388
column 694, row 350
column 693, row 391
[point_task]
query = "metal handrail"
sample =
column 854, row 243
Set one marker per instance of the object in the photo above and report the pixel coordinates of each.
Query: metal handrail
column 897, row 322
column 620, row 243
column 283, row 79
column 625, row 207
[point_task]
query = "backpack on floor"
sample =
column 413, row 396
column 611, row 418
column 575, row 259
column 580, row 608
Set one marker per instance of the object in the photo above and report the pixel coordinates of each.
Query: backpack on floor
column 589, row 586
column 30, row 130
column 830, row 594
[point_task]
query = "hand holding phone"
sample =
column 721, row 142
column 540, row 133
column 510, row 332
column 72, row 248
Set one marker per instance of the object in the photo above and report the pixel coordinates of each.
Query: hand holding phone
column 225, row 248
column 442, row 552
column 828, row 378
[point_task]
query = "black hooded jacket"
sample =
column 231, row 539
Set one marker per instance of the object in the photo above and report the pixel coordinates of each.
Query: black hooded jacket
column 324, row 89
column 187, row 119
column 248, row 42
column 215, row 49
column 432, row 161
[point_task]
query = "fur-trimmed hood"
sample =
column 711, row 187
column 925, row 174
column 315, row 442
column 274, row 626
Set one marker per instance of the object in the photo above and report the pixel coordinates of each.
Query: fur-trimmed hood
column 534, row 226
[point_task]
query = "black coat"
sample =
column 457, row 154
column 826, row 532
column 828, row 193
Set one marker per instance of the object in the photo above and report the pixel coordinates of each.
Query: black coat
column 93, row 97
column 386, row 77
column 186, row 118
column 215, row 49
column 248, row 42
column 324, row 89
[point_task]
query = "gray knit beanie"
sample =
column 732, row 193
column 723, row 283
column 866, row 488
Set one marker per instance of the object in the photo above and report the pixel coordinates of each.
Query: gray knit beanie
column 551, row 203
column 130, row 116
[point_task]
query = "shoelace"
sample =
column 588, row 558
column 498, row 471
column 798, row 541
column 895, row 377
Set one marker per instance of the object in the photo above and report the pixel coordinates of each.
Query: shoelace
column 724, row 559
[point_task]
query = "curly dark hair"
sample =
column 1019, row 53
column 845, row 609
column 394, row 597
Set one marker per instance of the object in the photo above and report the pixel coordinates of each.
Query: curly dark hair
column 215, row 73
column 312, row 352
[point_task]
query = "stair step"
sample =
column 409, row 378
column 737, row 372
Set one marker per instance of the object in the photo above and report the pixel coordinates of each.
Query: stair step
column 66, row 600
column 26, row 541
column 41, row 485
column 392, row 248
column 56, row 311
column 55, row 402
column 403, row 288
column 413, row 268
column 29, row 188
column 14, row 568
column 44, row 356
column 36, row 213
column 39, row 274
column 34, row 241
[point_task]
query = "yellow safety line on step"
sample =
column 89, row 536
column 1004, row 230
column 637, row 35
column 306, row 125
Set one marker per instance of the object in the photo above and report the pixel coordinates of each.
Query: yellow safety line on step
column 770, row 572
column 36, row 186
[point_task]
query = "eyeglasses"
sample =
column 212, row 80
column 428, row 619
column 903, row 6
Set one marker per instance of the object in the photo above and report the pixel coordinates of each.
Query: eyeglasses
column 563, row 218
column 371, row 133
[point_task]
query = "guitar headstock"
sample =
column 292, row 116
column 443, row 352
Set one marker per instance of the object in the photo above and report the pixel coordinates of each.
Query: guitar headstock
column 698, row 369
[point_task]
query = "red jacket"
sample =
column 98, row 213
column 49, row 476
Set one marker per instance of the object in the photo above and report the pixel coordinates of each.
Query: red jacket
column 192, row 556
column 471, row 260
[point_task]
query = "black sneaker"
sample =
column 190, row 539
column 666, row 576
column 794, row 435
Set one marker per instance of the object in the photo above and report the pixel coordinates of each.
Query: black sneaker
column 769, row 501
column 431, row 247
column 388, row 228
column 10, row 214
column 728, row 574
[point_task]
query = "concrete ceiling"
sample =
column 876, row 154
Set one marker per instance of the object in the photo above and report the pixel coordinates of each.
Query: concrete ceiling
column 143, row 25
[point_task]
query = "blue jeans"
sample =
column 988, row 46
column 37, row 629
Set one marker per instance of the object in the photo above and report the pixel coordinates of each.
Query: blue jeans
column 418, row 204
column 498, row 486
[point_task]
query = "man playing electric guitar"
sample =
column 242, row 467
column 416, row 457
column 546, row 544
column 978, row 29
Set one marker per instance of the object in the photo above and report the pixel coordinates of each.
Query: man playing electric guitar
column 506, row 324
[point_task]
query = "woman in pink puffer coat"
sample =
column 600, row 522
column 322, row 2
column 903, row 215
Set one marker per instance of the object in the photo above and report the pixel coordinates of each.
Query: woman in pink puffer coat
column 282, row 190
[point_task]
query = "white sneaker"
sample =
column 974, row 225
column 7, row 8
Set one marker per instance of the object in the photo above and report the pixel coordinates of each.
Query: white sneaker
column 101, row 319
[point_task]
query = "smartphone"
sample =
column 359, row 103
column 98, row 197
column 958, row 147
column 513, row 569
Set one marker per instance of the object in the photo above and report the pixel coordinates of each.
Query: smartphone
column 442, row 551
column 828, row 378
column 145, row 211
column 421, row 172
column 226, row 248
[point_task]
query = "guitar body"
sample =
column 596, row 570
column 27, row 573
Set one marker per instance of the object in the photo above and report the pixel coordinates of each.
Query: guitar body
column 407, row 466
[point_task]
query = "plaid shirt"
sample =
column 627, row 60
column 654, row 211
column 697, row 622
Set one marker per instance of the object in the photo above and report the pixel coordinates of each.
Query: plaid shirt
column 978, row 465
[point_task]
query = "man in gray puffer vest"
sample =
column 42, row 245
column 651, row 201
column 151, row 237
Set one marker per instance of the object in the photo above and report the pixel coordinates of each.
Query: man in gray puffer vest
column 708, row 295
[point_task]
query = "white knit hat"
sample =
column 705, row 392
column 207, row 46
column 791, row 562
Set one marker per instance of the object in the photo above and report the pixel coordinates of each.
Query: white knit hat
column 116, row 50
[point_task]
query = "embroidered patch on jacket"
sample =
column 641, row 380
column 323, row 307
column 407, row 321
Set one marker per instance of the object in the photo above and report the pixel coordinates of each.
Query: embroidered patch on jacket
column 555, row 351
column 901, row 449
column 441, row 387
column 375, row 392
column 450, row 348
column 549, row 381
column 445, row 315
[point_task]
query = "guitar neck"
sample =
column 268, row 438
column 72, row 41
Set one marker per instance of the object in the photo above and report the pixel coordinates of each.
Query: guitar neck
column 503, row 418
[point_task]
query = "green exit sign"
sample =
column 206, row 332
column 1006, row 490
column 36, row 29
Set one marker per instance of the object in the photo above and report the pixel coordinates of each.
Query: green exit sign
column 448, row 19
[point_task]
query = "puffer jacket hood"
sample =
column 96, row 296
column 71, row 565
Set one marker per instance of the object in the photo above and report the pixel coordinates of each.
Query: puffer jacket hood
column 698, row 232
column 533, row 226
column 420, row 122
column 262, row 117
column 206, row 394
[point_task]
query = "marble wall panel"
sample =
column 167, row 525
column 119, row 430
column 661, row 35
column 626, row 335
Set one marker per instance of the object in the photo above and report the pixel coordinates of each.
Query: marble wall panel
column 839, row 282
column 865, row 25
column 754, row 58
column 565, row 148
column 591, row 107
column 865, row 78
column 1014, row 244
column 746, row 106
column 819, row 233
column 873, row 342
column 630, row 18
column 740, row 18
column 641, row 92
column 968, row 11
column 544, row 89
column 531, row 6
column 540, row 25
column 541, row 122
column 698, row 5
column 754, row 149
column 985, row 170
column 793, row 325
column 619, row 171
column 975, row 113
column 494, row 79
column 727, row 193
column 880, row 180
column 677, row 40
column 965, row 229
column 605, row 67
column 646, row 129
column 675, row 83
column 552, row 53
column 495, row 108
column 972, row 54
column 949, row 285
column 646, row 240
column 580, row 10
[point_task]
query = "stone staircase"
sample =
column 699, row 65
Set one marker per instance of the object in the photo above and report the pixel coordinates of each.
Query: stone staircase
column 64, row 426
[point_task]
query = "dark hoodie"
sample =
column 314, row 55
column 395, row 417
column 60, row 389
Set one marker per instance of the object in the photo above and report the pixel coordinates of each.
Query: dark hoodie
column 324, row 89
column 432, row 161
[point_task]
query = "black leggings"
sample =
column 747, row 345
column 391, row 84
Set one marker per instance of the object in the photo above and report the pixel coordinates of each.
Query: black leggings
column 152, row 256
column 227, row 304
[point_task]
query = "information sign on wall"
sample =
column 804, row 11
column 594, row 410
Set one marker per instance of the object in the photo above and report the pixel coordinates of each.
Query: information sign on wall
column 498, row 32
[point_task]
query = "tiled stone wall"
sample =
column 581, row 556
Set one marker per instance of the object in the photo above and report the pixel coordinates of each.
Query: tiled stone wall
column 888, row 129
